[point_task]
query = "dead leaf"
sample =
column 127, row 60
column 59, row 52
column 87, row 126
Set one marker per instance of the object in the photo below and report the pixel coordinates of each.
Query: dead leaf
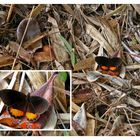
column 95, row 34
column 90, row 131
column 75, row 108
column 6, row 61
column 133, row 102
column 45, row 55
column 59, row 92
column 57, row 43
column 82, row 95
column 80, row 117
column 37, row 79
column 109, row 34
column 137, row 7
column 79, row 130
column 22, row 53
column 32, row 30
column 79, row 121
column 84, row 64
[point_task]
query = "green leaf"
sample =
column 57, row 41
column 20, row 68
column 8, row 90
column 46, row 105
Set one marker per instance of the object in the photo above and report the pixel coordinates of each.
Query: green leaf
column 70, row 50
column 63, row 76
column 73, row 58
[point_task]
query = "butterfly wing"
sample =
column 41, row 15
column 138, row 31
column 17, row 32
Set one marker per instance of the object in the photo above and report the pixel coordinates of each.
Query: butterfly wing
column 11, row 97
column 15, row 101
column 115, row 63
column 37, row 105
column 103, row 62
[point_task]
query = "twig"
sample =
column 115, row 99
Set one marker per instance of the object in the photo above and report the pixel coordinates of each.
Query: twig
column 22, row 39
column 10, row 12
column 129, row 121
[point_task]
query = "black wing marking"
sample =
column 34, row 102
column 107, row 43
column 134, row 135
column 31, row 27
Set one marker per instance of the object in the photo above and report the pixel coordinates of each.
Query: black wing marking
column 115, row 61
column 102, row 61
column 37, row 105
column 13, row 98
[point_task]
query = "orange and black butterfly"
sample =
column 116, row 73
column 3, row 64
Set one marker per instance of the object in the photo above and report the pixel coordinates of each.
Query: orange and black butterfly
column 109, row 66
column 19, row 105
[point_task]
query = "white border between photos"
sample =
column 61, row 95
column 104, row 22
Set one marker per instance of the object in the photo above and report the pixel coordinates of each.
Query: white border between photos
column 70, row 72
column 70, row 2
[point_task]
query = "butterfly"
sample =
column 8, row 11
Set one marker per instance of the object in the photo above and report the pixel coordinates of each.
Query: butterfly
column 20, row 105
column 109, row 66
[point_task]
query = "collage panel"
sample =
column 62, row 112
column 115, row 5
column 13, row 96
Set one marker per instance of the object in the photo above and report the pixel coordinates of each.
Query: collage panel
column 35, row 100
column 93, row 48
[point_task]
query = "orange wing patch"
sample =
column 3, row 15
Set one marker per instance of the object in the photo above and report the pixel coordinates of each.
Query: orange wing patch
column 31, row 116
column 104, row 68
column 112, row 68
column 16, row 112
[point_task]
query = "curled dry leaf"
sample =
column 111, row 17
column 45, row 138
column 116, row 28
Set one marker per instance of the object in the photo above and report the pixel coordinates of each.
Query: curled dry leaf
column 57, row 43
column 75, row 109
column 46, row 54
column 25, row 87
column 80, row 120
column 32, row 30
column 82, row 95
column 80, row 117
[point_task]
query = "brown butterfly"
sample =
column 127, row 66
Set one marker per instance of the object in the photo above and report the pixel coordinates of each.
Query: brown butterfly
column 109, row 66
column 19, row 105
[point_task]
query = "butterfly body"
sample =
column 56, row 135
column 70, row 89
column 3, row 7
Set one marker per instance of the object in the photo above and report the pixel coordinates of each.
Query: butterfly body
column 109, row 66
column 21, row 106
